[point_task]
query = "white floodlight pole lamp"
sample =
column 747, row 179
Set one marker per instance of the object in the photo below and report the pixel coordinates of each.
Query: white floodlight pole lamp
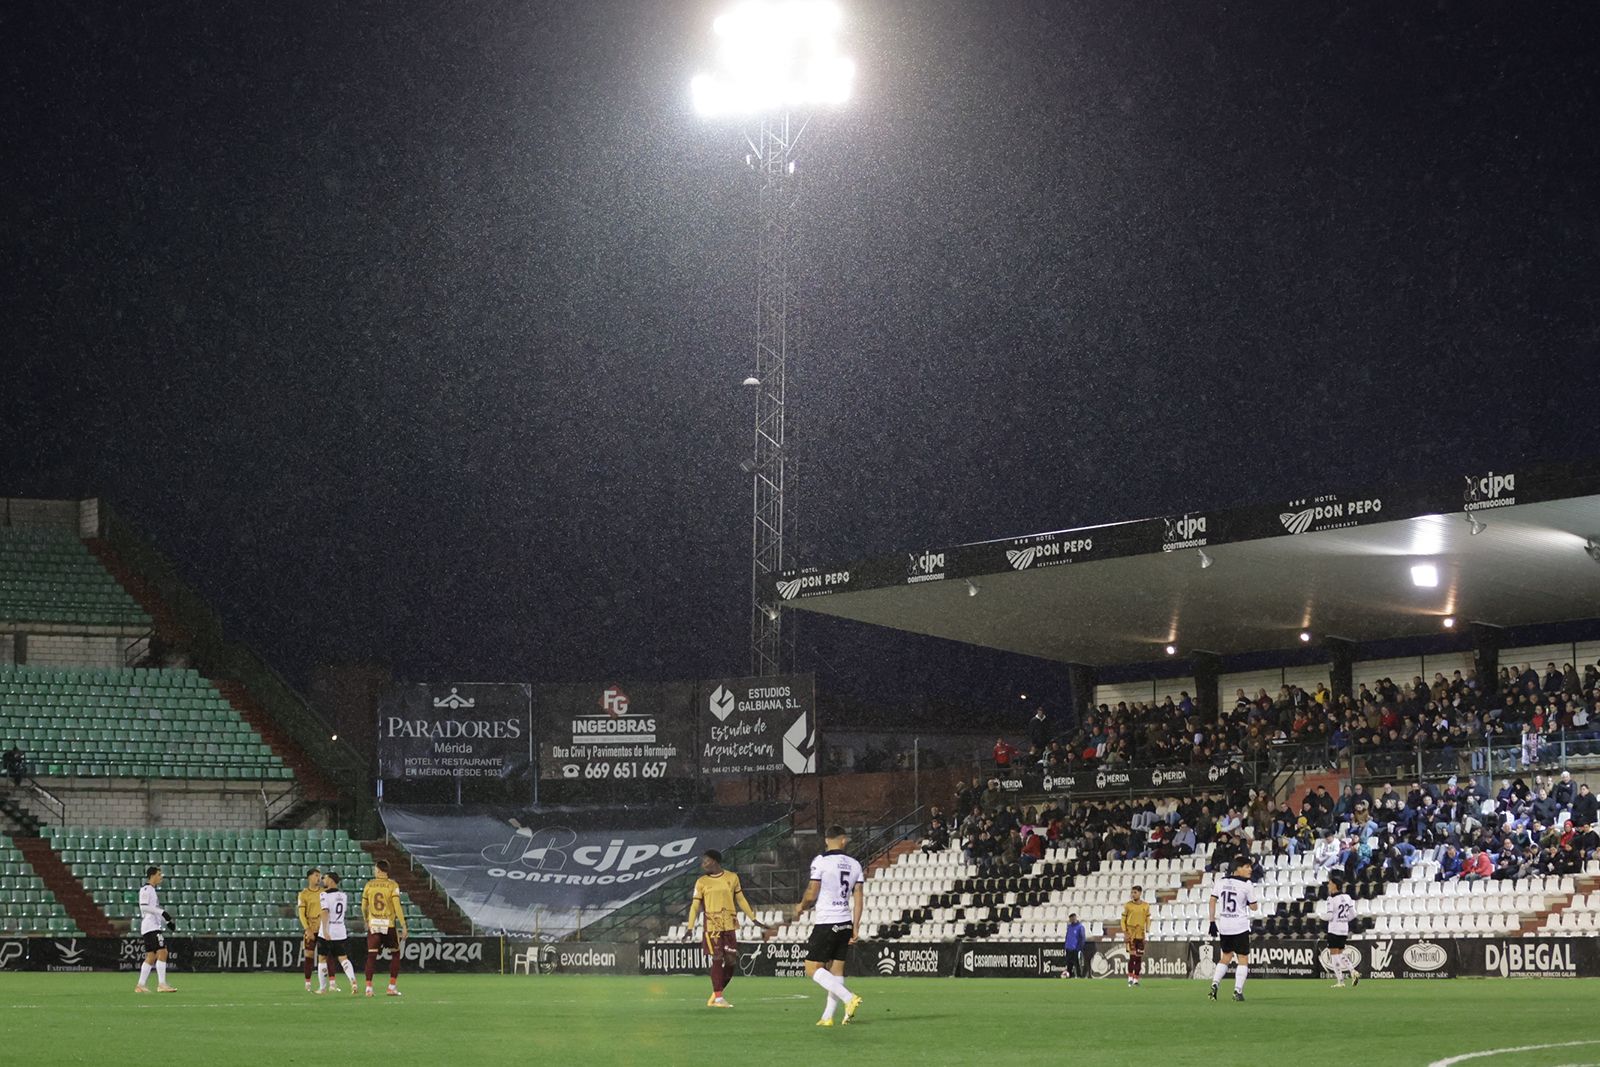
column 776, row 62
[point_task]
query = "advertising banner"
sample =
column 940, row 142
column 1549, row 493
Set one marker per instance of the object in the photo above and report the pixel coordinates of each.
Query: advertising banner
column 1529, row 957
column 456, row 730
column 616, row 732
column 758, row 725
column 572, row 957
column 1129, row 779
column 1396, row 958
column 546, row 873
column 233, row 954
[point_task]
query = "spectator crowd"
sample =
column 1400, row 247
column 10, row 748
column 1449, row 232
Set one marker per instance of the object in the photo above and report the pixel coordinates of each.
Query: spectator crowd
column 1386, row 722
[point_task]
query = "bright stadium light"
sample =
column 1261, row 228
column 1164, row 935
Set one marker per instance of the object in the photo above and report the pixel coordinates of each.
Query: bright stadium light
column 775, row 56
column 1449, row 622
column 1305, row 637
column 1205, row 560
column 1172, row 650
column 1425, row 576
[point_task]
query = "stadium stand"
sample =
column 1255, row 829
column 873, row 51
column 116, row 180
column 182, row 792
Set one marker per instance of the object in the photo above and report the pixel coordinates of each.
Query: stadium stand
column 26, row 905
column 133, row 722
column 49, row 576
column 225, row 882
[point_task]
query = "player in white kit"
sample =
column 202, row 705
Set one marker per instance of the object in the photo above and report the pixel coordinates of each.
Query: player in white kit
column 1233, row 898
column 331, row 935
column 1341, row 913
column 152, row 921
column 835, row 891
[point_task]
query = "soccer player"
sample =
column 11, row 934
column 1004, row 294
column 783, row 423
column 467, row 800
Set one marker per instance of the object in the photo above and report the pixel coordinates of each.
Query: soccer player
column 152, row 921
column 835, row 891
column 718, row 892
column 1135, row 926
column 1341, row 912
column 386, row 924
column 308, row 905
column 1233, row 898
column 333, row 906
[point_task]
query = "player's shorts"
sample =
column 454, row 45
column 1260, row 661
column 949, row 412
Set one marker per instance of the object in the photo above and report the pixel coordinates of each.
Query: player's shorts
column 332, row 946
column 723, row 942
column 1135, row 944
column 829, row 942
column 1239, row 943
column 389, row 939
column 1337, row 940
column 155, row 941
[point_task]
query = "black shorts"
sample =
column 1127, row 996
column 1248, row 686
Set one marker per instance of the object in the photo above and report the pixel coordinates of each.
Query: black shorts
column 1337, row 940
column 1239, row 943
column 829, row 942
column 155, row 941
column 332, row 946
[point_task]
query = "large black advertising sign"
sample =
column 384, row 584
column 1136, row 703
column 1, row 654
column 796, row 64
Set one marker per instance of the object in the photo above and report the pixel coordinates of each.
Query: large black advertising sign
column 758, row 725
column 615, row 732
column 456, row 730
column 546, row 873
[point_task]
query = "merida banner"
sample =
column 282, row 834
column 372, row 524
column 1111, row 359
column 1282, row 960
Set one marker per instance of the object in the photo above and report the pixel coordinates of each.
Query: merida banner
column 544, row 874
column 456, row 730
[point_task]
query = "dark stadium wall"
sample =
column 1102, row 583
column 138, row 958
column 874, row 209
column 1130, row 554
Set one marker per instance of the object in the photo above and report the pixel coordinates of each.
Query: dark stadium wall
column 852, row 799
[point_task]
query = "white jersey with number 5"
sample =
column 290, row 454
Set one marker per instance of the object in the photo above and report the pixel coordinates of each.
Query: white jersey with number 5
column 1341, row 913
column 838, row 875
column 335, row 906
column 1234, row 897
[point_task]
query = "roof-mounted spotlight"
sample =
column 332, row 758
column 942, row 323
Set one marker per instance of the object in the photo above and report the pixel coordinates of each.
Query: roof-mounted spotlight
column 1205, row 560
column 1305, row 637
column 769, row 611
column 1449, row 622
column 752, row 382
column 1592, row 549
column 1172, row 650
column 1475, row 526
column 1426, row 575
column 972, row 589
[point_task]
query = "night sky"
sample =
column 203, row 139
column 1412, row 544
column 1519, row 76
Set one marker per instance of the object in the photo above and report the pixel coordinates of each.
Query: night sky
column 413, row 331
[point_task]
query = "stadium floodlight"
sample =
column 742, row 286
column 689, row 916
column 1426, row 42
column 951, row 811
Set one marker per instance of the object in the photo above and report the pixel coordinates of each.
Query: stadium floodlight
column 1592, row 549
column 751, row 382
column 1449, row 622
column 1305, row 637
column 775, row 56
column 1475, row 526
column 972, row 587
column 1425, row 576
column 1205, row 560
column 1172, row 650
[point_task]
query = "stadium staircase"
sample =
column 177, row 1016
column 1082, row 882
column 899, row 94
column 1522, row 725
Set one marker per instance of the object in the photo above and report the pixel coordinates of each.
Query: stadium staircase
column 439, row 908
column 163, row 620
column 315, row 789
column 65, row 887
column 16, row 818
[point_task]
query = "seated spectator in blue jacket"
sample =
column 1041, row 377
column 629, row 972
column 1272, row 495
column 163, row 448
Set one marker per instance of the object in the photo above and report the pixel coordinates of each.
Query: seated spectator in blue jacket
column 1449, row 864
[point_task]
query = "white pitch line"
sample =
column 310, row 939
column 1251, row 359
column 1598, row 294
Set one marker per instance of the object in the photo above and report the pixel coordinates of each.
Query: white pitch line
column 1451, row 1061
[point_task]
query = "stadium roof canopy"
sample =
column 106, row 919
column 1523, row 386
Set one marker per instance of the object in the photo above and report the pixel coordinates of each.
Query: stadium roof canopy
column 1336, row 564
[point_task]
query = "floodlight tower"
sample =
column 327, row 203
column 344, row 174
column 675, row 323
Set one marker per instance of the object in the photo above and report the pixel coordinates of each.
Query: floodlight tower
column 777, row 60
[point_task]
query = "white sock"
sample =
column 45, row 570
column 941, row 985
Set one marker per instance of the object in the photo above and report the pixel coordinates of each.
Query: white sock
column 349, row 971
column 161, row 972
column 833, row 1006
column 1238, row 978
column 1221, row 973
column 322, row 974
column 833, row 984
column 144, row 974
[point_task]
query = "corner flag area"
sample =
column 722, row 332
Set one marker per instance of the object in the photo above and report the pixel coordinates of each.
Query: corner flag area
column 473, row 1019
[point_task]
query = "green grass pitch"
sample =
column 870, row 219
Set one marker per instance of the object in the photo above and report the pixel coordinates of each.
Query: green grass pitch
column 490, row 1019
